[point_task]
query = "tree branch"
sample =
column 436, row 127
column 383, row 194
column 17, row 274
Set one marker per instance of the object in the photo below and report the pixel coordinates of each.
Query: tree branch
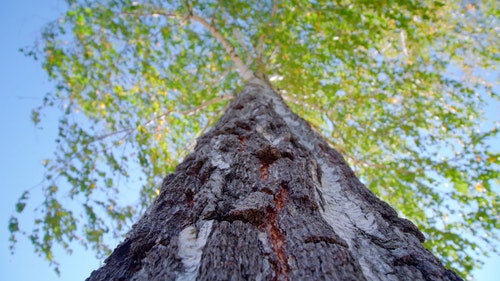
column 245, row 72
column 262, row 39
column 242, row 68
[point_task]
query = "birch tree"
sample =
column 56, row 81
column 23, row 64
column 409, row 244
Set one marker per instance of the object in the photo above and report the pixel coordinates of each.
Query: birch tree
column 397, row 87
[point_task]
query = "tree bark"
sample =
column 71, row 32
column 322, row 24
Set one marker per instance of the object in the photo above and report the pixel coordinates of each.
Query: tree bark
column 263, row 197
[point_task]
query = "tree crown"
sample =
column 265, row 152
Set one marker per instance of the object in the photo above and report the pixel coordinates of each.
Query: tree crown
column 396, row 86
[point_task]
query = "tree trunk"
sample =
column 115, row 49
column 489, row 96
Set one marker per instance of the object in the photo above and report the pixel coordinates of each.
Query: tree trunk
column 263, row 197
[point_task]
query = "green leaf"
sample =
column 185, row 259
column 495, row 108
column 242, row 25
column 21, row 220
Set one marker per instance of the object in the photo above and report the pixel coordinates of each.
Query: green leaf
column 13, row 225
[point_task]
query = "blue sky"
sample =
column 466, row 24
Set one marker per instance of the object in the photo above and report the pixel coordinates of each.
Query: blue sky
column 23, row 147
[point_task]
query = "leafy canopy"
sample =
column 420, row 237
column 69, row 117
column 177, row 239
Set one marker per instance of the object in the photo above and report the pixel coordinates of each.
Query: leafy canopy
column 397, row 87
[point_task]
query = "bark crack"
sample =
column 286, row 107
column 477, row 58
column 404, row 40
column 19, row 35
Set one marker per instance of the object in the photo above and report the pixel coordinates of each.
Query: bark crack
column 242, row 143
column 267, row 156
column 326, row 239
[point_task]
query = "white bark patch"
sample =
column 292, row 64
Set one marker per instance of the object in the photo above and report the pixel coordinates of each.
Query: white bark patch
column 336, row 202
column 219, row 162
column 336, row 207
column 191, row 244
column 343, row 212
column 264, row 240
column 269, row 137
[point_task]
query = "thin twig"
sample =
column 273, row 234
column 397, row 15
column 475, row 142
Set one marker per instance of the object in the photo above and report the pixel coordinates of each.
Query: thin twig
column 403, row 42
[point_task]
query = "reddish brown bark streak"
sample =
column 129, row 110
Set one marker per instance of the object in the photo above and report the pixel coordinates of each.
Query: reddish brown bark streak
column 267, row 156
column 264, row 171
column 190, row 197
column 243, row 143
column 277, row 237
column 281, row 198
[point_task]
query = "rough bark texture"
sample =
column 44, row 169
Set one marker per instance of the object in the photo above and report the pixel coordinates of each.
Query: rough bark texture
column 263, row 197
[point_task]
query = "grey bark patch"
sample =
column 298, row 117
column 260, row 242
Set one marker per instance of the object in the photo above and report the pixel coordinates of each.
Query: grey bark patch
column 252, row 208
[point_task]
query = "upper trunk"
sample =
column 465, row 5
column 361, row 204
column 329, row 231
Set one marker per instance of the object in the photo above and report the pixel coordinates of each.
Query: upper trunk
column 263, row 197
